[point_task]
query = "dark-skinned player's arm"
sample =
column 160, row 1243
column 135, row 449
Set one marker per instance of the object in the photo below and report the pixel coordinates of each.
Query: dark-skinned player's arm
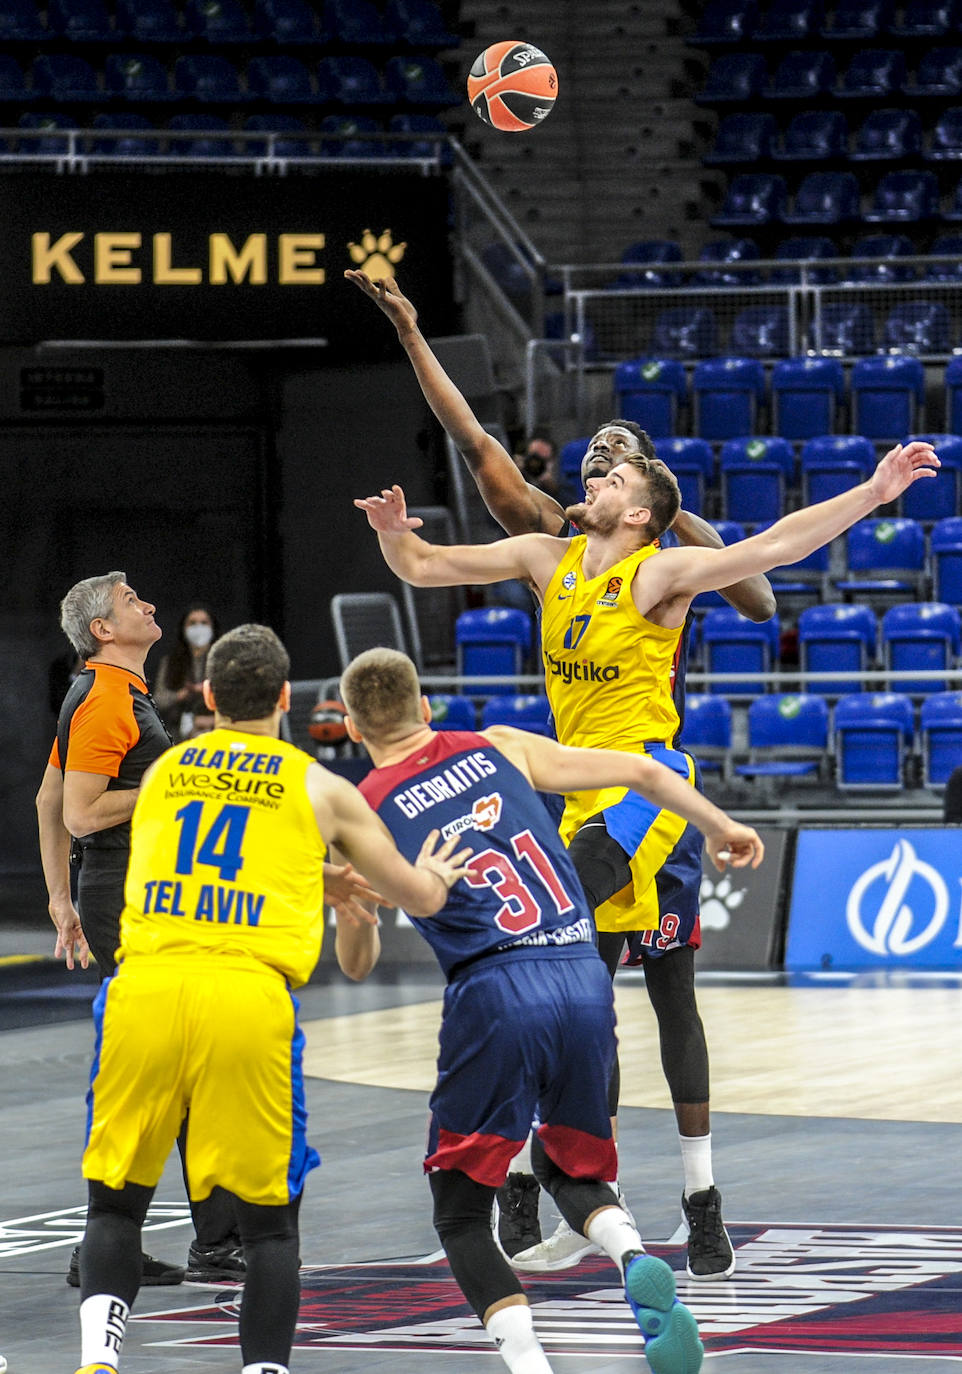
column 518, row 507
column 753, row 596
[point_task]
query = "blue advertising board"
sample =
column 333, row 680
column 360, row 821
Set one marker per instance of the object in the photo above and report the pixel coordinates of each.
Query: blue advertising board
column 876, row 899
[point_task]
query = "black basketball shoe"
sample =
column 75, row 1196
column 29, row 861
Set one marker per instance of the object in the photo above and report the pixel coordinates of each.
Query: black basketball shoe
column 710, row 1253
column 518, row 1224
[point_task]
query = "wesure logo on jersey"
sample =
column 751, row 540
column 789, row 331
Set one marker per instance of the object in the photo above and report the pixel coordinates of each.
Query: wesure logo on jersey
column 485, row 814
column 854, row 1291
column 897, row 899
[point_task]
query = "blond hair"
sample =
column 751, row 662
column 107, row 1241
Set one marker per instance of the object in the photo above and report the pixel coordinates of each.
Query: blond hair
column 381, row 691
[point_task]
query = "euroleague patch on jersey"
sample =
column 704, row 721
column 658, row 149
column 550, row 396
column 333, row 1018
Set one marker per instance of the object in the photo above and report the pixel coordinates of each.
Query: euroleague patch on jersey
column 485, row 814
column 847, row 1290
column 610, row 594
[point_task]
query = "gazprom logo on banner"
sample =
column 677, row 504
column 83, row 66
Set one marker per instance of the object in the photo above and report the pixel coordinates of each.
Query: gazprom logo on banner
column 876, row 898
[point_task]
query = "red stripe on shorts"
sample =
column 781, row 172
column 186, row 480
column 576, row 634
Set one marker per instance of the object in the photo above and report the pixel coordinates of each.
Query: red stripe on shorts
column 581, row 1155
column 485, row 1158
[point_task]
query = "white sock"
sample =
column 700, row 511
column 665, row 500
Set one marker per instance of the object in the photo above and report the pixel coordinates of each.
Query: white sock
column 615, row 1232
column 696, row 1162
column 103, row 1321
column 265, row 1367
column 512, row 1331
column 521, row 1164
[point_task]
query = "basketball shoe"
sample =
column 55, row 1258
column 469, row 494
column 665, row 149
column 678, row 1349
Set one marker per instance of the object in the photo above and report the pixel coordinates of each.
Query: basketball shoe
column 97, row 1369
column 518, row 1224
column 156, row 1273
column 710, row 1253
column 672, row 1345
column 562, row 1250
column 215, row 1263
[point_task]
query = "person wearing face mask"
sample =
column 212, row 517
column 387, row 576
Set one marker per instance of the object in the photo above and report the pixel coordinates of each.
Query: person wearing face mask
column 180, row 675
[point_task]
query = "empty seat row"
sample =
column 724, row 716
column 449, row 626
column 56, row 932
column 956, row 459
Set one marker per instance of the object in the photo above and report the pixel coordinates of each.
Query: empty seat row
column 525, row 711
column 288, row 23
column 348, row 81
column 726, row 23
column 874, row 74
column 759, row 199
column 885, row 135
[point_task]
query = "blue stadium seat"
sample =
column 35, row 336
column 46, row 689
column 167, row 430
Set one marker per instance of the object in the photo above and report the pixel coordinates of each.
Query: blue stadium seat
column 814, row 136
column 209, row 79
column 359, row 23
column 761, row 331
column 419, row 81
column 420, row 25
column 290, row 23
column 217, row 144
column 651, row 392
column 351, row 81
column 918, row 327
column 736, row 645
column 707, row 732
column 751, row 199
column 524, row 712
column 492, row 641
column 149, row 22
column 904, row 198
column 873, row 735
column 945, row 144
column 825, row 198
column 888, row 136
column 884, row 556
column 723, row 23
column 684, row 331
column 807, row 396
column 727, row 253
column 66, row 79
column 569, row 463
column 888, row 394
column 789, row 21
column 20, row 22
column 953, row 396
column 787, row 737
column 941, row 727
column 927, row 637
column 130, row 140
column 945, row 271
column 13, row 83
column 742, row 138
column 430, row 127
column 856, row 20
column 886, row 247
column 939, row 73
column 755, row 473
column 80, row 21
column 693, row 464
column 845, row 327
column 946, row 548
column 649, row 255
column 290, row 140
column 217, row 21
column 48, row 142
column 833, row 463
column 805, row 249
column 727, row 394
column 873, row 73
column 281, row 80
column 802, row 75
column 346, row 127
column 137, row 77
column 836, row 639
column 452, row 712
column 925, row 19
column 735, row 77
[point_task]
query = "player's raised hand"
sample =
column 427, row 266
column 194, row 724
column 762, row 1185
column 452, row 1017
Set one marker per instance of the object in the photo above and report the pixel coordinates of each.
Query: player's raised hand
column 387, row 513
column 735, row 844
column 902, row 466
column 388, row 296
column 445, row 864
column 345, row 888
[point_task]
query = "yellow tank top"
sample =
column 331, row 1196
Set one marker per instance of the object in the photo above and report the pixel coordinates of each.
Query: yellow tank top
column 226, row 857
column 609, row 672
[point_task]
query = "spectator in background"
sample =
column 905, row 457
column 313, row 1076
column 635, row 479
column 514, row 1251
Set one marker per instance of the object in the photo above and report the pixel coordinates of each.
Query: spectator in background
column 180, row 675
column 537, row 459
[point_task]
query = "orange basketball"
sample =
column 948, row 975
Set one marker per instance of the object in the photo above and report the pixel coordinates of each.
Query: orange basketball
column 326, row 723
column 512, row 86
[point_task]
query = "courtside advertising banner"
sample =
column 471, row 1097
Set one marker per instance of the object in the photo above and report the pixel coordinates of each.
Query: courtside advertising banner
column 741, row 910
column 876, row 899
column 195, row 256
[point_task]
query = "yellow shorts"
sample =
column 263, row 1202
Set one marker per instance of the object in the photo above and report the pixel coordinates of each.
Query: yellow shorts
column 645, row 832
column 217, row 1036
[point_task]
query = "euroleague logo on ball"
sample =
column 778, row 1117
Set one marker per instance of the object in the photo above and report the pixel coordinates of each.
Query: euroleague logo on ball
column 512, row 86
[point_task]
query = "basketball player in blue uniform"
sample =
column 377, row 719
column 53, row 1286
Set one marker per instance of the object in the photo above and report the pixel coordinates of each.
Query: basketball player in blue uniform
column 668, row 952
column 528, row 1022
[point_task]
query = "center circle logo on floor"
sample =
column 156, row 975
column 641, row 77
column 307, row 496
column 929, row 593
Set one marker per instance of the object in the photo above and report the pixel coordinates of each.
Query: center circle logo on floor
column 878, row 911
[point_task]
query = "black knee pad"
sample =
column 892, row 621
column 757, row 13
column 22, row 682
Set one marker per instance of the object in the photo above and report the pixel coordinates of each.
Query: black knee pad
column 575, row 1198
column 670, row 980
column 462, row 1219
column 600, row 862
column 258, row 1224
column 131, row 1201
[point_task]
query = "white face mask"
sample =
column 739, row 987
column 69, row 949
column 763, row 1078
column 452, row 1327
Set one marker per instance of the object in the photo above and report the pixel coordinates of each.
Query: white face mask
column 198, row 636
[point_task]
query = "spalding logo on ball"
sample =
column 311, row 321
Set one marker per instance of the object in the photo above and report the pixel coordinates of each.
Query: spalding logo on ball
column 326, row 722
column 512, row 86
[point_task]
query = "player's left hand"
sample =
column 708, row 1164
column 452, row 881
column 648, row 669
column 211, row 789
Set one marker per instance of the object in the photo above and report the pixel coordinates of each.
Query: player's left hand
column 387, row 513
column 738, row 845
column 344, row 888
column 901, row 467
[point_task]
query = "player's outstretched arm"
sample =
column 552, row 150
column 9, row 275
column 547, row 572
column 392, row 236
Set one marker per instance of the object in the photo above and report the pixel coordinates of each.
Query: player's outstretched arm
column 753, row 596
column 553, row 767
column 518, row 507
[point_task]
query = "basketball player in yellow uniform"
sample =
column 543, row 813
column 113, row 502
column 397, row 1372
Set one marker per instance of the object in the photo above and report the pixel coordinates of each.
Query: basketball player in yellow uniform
column 224, row 915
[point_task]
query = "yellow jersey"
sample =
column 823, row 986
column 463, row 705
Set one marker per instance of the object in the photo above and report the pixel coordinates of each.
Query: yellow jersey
column 609, row 672
column 226, row 857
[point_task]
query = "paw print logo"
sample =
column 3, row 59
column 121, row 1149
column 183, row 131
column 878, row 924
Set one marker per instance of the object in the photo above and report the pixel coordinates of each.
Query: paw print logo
column 376, row 255
column 718, row 901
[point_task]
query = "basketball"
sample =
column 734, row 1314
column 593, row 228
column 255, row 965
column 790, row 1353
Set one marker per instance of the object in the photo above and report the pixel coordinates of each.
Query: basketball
column 326, row 723
column 512, row 86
